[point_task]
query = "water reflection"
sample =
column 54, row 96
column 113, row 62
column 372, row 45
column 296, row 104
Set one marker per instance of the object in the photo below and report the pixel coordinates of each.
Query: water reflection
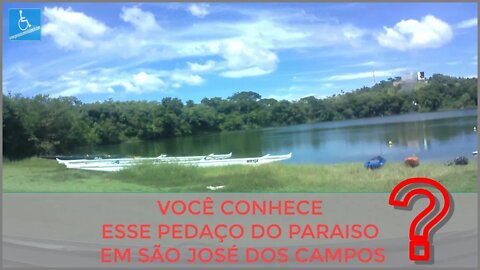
column 431, row 136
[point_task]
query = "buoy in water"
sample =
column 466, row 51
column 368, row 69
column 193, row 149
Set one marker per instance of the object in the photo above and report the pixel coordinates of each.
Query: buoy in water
column 390, row 143
column 412, row 161
column 474, row 128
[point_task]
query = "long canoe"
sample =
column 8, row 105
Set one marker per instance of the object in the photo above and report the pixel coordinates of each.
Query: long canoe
column 161, row 158
column 207, row 161
column 86, row 157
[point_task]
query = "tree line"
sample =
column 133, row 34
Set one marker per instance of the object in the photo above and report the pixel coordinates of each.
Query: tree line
column 41, row 125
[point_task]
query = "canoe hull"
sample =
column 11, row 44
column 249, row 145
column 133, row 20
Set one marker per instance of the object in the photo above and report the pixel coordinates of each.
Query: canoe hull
column 206, row 162
column 129, row 161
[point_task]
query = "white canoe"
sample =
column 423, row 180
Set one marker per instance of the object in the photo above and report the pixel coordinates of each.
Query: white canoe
column 118, row 161
column 205, row 162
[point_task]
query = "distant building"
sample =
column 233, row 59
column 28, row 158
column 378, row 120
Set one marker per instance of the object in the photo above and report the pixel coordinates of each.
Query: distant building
column 409, row 80
column 420, row 76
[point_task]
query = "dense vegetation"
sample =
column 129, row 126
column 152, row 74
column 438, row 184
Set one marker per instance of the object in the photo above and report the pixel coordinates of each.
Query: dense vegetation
column 44, row 125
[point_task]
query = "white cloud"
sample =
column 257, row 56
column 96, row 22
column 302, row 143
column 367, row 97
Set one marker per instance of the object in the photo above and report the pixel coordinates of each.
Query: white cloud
column 145, row 82
column 128, row 86
column 365, row 64
column 274, row 34
column 141, row 20
column 199, row 10
column 246, row 60
column 185, row 78
column 351, row 34
column 95, row 88
column 68, row 92
column 18, row 70
column 114, row 80
column 468, row 23
column 248, row 72
column 453, row 63
column 72, row 30
column 248, row 48
column 104, row 81
column 244, row 48
column 75, row 30
column 429, row 32
column 367, row 74
column 21, row 71
column 78, row 82
column 196, row 67
column 79, row 89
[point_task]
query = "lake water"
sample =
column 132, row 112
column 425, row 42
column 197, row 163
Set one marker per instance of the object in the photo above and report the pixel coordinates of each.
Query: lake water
column 438, row 136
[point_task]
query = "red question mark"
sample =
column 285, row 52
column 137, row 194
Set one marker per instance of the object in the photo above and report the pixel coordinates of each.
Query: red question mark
column 421, row 241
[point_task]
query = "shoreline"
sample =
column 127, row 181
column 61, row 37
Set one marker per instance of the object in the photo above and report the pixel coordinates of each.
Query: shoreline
column 40, row 175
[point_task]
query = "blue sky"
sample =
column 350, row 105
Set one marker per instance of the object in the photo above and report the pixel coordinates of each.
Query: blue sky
column 147, row 51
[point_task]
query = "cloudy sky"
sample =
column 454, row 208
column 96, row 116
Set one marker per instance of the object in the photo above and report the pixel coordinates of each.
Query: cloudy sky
column 135, row 51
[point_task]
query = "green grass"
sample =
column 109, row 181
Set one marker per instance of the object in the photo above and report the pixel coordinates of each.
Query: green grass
column 40, row 175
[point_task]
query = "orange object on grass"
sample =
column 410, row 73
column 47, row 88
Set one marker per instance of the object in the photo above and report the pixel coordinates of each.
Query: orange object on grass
column 412, row 161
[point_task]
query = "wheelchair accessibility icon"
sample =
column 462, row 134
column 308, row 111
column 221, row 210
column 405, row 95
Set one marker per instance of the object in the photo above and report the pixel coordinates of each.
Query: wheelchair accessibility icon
column 23, row 23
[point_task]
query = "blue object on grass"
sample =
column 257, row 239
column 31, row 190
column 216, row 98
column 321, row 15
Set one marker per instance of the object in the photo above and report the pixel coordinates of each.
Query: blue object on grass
column 375, row 163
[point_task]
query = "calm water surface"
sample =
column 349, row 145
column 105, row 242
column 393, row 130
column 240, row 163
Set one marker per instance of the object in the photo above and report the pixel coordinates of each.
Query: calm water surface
column 439, row 136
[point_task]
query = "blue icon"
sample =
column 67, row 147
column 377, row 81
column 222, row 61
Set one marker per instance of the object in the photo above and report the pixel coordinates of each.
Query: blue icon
column 24, row 24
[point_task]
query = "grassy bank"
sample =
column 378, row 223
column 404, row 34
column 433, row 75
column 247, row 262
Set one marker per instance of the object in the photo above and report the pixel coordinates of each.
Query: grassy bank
column 40, row 175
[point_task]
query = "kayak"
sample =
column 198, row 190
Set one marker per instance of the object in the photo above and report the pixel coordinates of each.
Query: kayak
column 375, row 163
